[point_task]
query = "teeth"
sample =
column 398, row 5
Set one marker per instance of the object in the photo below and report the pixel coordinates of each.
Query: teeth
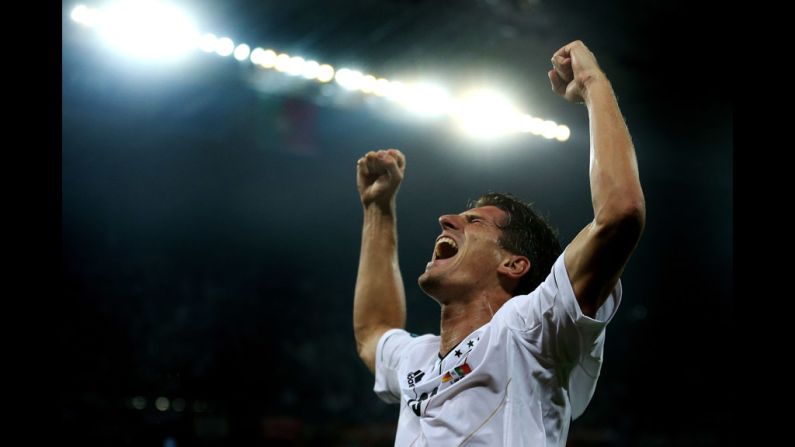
column 447, row 240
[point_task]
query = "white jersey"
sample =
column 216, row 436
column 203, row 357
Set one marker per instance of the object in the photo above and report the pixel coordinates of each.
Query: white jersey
column 518, row 380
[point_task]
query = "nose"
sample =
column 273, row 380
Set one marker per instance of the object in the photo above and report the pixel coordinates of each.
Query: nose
column 450, row 221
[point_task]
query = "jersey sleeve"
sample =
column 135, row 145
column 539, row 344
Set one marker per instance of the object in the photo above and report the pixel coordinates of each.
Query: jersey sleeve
column 390, row 353
column 552, row 325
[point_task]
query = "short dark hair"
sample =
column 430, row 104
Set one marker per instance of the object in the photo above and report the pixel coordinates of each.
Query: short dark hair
column 527, row 234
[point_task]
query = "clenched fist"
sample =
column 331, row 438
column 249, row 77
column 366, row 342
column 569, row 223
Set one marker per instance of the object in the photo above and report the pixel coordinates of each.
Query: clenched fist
column 378, row 177
column 574, row 68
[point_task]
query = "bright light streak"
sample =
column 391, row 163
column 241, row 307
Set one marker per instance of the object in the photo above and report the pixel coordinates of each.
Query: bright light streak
column 349, row 79
column 310, row 69
column 563, row 133
column 78, row 13
column 153, row 29
column 282, row 62
column 295, row 66
column 531, row 124
column 256, row 55
column 207, row 42
column 549, row 130
column 325, row 73
column 242, row 51
column 381, row 87
column 429, row 100
column 224, row 46
column 267, row 59
column 86, row 16
column 486, row 114
column 146, row 29
column 395, row 90
column 368, row 84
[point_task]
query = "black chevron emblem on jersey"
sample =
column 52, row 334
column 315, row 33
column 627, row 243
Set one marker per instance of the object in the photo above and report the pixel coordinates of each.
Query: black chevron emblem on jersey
column 414, row 377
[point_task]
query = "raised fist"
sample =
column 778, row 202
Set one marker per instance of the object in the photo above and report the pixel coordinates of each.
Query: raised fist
column 574, row 68
column 378, row 176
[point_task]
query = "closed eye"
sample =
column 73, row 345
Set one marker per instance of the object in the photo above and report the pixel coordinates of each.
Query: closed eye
column 472, row 218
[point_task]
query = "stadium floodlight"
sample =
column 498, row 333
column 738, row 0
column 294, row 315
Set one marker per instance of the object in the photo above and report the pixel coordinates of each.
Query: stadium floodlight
column 242, row 51
column 146, row 29
column 563, row 133
column 381, row 87
column 310, row 69
column 486, row 114
column 154, row 29
column 325, row 73
column 256, row 55
column 207, row 42
column 267, row 59
column 425, row 99
column 224, row 46
column 349, row 79
column 368, row 84
column 86, row 16
column 282, row 62
column 295, row 66
column 549, row 130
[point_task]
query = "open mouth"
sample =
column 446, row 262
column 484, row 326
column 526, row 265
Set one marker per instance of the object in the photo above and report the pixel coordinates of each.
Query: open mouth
column 445, row 248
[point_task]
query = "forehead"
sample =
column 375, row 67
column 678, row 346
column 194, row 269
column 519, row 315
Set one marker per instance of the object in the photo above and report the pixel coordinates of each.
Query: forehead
column 489, row 212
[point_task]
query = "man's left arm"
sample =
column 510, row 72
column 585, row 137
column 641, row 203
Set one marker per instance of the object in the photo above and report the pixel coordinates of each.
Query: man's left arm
column 596, row 258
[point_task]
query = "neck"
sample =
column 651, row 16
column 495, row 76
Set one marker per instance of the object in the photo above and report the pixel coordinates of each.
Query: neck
column 459, row 319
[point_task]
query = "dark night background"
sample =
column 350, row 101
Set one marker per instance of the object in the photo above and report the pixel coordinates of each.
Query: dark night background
column 210, row 222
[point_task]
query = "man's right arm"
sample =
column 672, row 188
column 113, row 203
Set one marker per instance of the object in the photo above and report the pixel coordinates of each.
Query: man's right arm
column 379, row 302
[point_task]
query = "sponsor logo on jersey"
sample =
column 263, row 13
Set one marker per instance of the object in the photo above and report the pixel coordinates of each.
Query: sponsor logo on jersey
column 414, row 377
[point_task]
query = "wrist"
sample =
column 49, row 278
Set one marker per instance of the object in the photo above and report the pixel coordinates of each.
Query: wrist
column 594, row 84
column 375, row 210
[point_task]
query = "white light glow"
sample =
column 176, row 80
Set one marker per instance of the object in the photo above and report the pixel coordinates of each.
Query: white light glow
column 224, row 46
column 155, row 29
column 381, row 87
column 295, row 66
column 147, row 29
column 349, row 79
column 531, row 124
column 549, row 130
column 282, row 62
column 563, row 133
column 78, row 13
column 368, row 84
column 325, row 73
column 256, row 55
column 429, row 100
column 486, row 114
column 207, row 42
column 310, row 69
column 86, row 16
column 242, row 51
column 267, row 59
column 395, row 90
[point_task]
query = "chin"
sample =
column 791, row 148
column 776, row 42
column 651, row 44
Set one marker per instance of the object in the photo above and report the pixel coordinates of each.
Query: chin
column 432, row 286
column 428, row 283
column 425, row 281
